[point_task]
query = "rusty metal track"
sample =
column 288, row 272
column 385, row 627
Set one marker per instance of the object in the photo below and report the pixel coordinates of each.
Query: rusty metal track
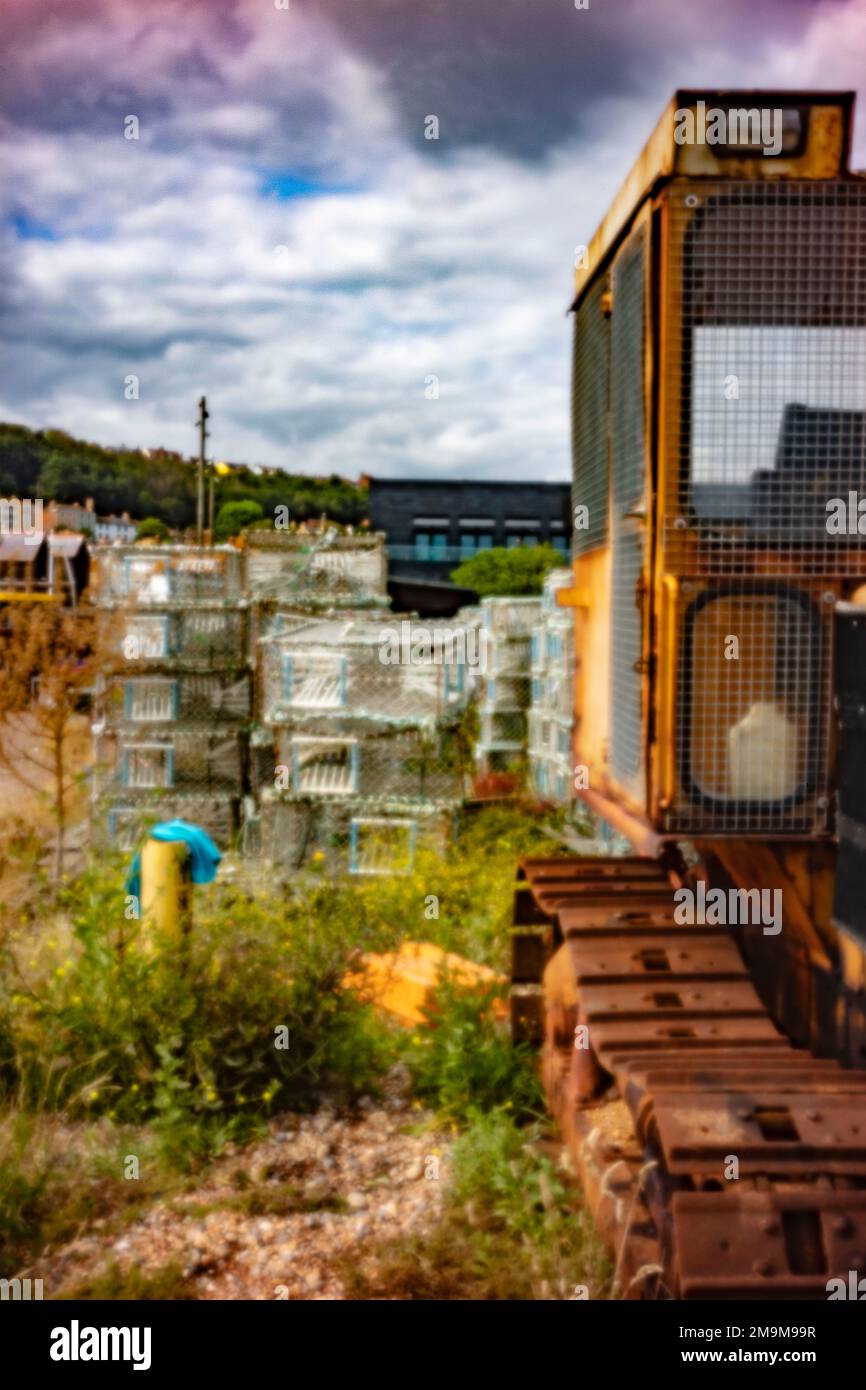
column 720, row 1160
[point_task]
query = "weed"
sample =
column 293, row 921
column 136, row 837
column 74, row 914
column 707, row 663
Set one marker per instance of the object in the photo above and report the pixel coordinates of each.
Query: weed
column 510, row 1230
column 133, row 1284
column 466, row 1061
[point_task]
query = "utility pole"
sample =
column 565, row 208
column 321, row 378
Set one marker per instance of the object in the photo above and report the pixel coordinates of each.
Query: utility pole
column 202, row 438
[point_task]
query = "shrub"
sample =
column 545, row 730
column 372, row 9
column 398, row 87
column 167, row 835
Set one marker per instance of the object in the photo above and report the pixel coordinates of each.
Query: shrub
column 152, row 526
column 185, row 1034
column 95, row 1022
column 232, row 517
column 515, row 572
column 466, row 1062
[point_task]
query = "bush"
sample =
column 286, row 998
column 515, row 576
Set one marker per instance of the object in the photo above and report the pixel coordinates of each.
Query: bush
column 185, row 1035
column 466, row 1062
column 152, row 527
column 232, row 517
column 518, row 571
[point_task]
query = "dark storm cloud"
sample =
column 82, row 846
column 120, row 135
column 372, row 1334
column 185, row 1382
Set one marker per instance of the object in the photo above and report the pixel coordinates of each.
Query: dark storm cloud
column 283, row 238
column 521, row 76
column 516, row 75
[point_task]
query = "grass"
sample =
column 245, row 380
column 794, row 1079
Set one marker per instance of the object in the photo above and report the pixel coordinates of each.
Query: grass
column 121, row 1284
column 284, row 1199
column 57, row 1178
column 466, row 1061
column 111, row 1045
column 511, row 1230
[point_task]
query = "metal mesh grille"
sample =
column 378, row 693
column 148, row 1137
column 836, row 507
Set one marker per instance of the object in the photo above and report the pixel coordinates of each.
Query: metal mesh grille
column 382, row 846
column 768, row 285
column 628, row 469
column 589, row 404
column 347, row 836
column 765, row 373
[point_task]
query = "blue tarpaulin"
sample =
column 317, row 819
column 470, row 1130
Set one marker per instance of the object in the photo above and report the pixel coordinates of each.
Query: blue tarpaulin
column 203, row 853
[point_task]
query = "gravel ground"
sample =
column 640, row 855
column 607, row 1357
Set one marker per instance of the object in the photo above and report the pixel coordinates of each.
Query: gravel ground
column 329, row 1185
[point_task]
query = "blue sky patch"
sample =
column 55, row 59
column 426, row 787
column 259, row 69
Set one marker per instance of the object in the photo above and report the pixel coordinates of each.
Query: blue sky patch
column 291, row 185
column 26, row 228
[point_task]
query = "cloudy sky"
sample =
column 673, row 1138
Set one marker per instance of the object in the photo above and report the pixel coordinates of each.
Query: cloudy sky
column 284, row 238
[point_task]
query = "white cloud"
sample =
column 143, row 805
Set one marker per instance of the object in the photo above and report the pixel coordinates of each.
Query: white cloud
column 310, row 322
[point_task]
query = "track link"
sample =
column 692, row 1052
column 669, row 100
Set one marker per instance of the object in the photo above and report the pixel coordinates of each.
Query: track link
column 719, row 1161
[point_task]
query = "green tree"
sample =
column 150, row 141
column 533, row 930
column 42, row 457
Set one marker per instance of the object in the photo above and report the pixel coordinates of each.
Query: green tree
column 152, row 526
column 53, row 465
column 232, row 517
column 514, row 572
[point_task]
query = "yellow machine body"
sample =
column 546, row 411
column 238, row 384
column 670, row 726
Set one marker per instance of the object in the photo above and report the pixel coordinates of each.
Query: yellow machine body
column 720, row 356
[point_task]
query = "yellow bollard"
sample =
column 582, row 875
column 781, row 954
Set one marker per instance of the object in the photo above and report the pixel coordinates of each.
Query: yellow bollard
column 166, row 891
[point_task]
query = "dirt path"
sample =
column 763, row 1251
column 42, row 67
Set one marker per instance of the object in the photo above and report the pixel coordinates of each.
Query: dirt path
column 275, row 1220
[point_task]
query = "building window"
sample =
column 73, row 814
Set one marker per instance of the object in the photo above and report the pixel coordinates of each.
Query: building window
column 431, row 537
column 473, row 541
column 431, row 545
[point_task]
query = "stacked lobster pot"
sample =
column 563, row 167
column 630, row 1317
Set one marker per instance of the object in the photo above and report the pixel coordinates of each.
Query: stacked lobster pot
column 507, row 625
column 173, row 711
column 293, row 578
column 358, row 757
column 289, row 575
column 551, row 712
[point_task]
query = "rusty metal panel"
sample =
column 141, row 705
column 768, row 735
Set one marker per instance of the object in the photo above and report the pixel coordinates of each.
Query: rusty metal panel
column 670, row 958
column 790, row 1072
column 636, row 1064
column 537, row 871
column 684, row 1003
column 763, row 1245
column 768, row 1132
column 648, row 921
column 700, row 1035
column 619, row 895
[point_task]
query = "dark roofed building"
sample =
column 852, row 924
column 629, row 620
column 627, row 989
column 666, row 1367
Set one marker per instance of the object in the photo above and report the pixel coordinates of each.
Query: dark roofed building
column 430, row 527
